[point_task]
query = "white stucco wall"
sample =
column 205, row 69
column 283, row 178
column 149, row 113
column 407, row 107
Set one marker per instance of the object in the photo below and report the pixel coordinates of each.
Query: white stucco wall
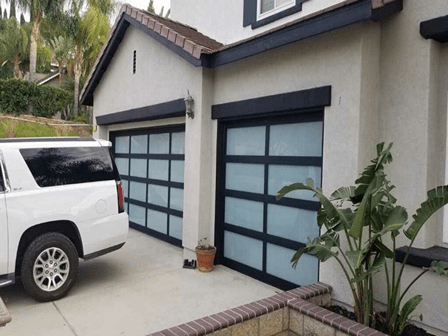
column 222, row 20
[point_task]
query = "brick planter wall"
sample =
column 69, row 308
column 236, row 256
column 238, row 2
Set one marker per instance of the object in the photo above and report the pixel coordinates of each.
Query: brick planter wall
column 292, row 313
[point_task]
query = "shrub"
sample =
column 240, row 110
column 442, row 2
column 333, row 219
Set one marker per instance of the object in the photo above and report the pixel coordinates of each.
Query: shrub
column 15, row 95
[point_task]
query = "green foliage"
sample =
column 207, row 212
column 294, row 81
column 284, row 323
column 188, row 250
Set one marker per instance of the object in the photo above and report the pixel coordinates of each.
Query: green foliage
column 371, row 212
column 15, row 95
column 14, row 42
column 48, row 100
column 44, row 54
column 26, row 129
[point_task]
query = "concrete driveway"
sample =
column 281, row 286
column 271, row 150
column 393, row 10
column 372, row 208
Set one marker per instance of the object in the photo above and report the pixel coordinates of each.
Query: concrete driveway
column 137, row 290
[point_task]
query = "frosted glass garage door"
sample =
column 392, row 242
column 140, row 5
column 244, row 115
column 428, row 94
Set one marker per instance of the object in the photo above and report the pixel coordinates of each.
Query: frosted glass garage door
column 258, row 235
column 151, row 166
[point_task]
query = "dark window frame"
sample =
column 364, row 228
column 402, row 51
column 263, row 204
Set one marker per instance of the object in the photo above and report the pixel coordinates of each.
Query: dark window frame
column 250, row 14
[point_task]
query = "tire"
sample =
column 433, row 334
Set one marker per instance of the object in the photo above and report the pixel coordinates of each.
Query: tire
column 49, row 267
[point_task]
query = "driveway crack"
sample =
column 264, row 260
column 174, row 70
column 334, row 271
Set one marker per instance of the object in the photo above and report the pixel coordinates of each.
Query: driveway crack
column 68, row 324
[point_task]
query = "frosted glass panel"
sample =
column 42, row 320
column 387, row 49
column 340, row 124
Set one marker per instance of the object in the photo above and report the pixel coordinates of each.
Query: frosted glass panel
column 158, row 169
column 177, row 171
column 157, row 221
column 137, row 214
column 122, row 166
column 138, row 167
column 292, row 223
column 176, row 227
column 244, row 213
column 122, row 145
column 139, row 144
column 158, row 195
column 125, row 185
column 159, row 143
column 245, row 177
column 303, row 139
column 178, row 143
column 243, row 249
column 278, row 263
column 280, row 176
column 177, row 199
column 137, row 191
column 246, row 141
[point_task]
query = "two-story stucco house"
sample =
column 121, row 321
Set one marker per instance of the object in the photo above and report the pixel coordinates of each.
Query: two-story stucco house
column 283, row 90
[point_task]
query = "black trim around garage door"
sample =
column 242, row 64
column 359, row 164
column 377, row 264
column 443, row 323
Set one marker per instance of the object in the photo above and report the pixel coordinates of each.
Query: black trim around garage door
column 276, row 104
column 171, row 109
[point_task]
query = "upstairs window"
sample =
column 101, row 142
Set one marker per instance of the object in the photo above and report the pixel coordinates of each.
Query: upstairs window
column 269, row 5
column 258, row 13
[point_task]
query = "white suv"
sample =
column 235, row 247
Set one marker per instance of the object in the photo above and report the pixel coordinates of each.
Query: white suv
column 60, row 199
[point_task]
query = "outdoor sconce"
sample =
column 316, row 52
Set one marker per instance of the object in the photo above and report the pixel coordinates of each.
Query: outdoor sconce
column 189, row 102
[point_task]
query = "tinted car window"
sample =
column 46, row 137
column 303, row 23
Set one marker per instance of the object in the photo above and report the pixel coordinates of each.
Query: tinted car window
column 59, row 166
column 2, row 184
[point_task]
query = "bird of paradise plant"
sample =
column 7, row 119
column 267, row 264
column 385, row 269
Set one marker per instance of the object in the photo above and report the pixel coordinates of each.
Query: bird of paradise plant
column 371, row 216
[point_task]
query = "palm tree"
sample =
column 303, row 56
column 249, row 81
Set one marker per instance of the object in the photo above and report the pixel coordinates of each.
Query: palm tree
column 38, row 9
column 89, row 31
column 63, row 47
column 14, row 44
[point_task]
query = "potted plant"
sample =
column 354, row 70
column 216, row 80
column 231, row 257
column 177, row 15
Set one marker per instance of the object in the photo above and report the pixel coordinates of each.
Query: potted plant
column 206, row 255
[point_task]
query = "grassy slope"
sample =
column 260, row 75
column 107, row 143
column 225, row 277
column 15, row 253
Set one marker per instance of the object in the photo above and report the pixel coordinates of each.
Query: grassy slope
column 14, row 129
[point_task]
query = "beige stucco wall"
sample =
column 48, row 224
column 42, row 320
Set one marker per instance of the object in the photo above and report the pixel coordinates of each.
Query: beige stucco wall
column 160, row 76
column 163, row 76
column 222, row 20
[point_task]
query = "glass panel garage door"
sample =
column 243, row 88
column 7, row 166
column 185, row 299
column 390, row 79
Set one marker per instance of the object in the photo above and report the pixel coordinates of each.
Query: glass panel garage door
column 257, row 234
column 151, row 165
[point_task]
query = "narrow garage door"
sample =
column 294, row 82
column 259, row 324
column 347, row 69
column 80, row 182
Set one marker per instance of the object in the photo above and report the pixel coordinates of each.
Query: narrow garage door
column 257, row 234
column 151, row 165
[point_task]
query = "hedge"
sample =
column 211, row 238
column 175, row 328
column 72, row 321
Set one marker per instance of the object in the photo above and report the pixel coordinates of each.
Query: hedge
column 15, row 95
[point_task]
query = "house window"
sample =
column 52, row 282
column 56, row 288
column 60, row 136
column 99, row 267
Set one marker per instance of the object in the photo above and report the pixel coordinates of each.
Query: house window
column 134, row 63
column 258, row 13
column 269, row 5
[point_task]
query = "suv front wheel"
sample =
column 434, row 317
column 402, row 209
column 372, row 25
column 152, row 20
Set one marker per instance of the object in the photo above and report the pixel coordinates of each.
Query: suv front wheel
column 49, row 267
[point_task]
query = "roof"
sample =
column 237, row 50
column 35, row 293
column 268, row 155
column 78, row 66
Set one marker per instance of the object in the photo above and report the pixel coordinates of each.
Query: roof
column 48, row 78
column 201, row 50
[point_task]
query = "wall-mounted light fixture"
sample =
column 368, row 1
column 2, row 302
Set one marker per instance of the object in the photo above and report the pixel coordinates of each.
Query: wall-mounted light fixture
column 189, row 103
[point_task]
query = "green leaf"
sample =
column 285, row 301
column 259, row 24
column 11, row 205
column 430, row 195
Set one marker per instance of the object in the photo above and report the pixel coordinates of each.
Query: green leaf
column 440, row 267
column 437, row 198
column 354, row 258
column 407, row 310
column 319, row 247
column 343, row 193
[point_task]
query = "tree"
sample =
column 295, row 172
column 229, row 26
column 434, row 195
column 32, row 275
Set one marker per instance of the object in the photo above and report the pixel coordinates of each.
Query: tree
column 151, row 8
column 12, row 9
column 14, row 44
column 63, row 47
column 5, row 14
column 22, row 19
column 38, row 9
column 89, row 31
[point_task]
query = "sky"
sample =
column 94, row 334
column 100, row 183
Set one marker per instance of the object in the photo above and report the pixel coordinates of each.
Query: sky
column 142, row 4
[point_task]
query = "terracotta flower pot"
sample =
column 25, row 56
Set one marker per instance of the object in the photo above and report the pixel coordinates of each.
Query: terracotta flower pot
column 205, row 256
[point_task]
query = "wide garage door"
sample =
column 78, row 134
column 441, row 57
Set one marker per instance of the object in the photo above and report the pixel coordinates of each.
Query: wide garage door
column 255, row 233
column 151, row 165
